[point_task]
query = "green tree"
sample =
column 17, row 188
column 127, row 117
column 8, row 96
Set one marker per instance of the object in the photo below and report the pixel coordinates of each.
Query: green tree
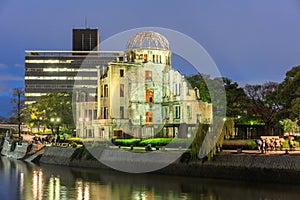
column 263, row 103
column 289, row 92
column 198, row 140
column 236, row 100
column 235, row 95
column 296, row 108
column 289, row 125
column 54, row 110
column 199, row 81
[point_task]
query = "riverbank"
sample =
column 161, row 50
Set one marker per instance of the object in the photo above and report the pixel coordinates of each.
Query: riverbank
column 277, row 168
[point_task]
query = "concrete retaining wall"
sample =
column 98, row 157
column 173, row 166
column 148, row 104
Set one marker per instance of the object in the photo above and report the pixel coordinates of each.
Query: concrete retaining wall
column 57, row 156
column 273, row 168
column 270, row 168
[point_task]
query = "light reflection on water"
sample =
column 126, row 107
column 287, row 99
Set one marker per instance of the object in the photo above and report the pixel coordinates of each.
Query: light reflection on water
column 19, row 180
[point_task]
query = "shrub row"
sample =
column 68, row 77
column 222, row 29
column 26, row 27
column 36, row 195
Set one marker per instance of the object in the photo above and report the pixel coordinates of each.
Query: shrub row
column 248, row 144
column 127, row 142
column 171, row 142
column 235, row 144
column 74, row 140
column 286, row 144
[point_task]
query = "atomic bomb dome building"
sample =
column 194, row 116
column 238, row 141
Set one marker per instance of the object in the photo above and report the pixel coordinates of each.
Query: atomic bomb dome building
column 142, row 96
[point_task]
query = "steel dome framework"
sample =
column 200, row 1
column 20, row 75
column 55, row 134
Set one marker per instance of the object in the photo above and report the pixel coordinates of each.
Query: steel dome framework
column 148, row 40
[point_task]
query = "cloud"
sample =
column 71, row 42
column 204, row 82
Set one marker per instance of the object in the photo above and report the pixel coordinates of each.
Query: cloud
column 19, row 65
column 3, row 66
column 8, row 77
column 5, row 89
column 7, row 82
column 6, row 106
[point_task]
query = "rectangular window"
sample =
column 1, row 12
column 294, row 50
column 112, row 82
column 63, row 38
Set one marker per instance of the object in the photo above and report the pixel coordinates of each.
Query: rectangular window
column 101, row 91
column 105, row 90
column 121, row 90
column 95, row 115
column 149, row 96
column 177, row 89
column 90, row 115
column 145, row 57
column 121, row 72
column 198, row 118
column 177, row 112
column 105, row 113
column 122, row 112
column 149, row 117
column 148, row 75
column 165, row 114
column 189, row 112
column 101, row 113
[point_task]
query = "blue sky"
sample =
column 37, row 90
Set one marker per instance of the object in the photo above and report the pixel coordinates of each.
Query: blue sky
column 250, row 41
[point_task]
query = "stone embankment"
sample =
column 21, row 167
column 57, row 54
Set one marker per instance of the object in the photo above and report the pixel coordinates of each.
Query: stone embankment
column 247, row 167
column 268, row 168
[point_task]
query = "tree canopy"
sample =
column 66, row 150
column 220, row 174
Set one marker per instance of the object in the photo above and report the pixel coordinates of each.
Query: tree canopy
column 53, row 110
column 262, row 103
column 235, row 95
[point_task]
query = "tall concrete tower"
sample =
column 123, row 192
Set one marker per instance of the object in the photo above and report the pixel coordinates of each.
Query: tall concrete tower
column 86, row 39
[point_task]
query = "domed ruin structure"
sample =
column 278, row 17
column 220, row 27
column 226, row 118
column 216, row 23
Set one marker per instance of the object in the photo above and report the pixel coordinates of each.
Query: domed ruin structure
column 148, row 40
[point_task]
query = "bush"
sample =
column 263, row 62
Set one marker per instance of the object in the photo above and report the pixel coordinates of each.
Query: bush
column 286, row 144
column 74, row 145
column 156, row 142
column 235, row 144
column 74, row 140
column 171, row 142
column 127, row 142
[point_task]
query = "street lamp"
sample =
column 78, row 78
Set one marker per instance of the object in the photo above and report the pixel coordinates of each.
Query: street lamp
column 56, row 120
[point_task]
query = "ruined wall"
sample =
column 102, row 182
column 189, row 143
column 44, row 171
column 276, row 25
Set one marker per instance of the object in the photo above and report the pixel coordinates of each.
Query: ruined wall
column 18, row 153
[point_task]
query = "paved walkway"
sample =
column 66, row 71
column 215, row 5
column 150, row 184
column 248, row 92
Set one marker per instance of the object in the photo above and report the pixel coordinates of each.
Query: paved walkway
column 282, row 152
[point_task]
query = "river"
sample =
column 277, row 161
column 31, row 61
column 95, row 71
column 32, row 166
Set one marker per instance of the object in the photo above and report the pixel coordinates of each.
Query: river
column 20, row 180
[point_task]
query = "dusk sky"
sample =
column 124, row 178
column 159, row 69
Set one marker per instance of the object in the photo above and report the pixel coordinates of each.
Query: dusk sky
column 250, row 41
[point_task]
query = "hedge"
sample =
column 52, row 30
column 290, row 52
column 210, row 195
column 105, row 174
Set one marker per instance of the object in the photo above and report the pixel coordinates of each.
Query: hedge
column 235, row 144
column 127, row 142
column 286, row 144
column 171, row 142
column 74, row 140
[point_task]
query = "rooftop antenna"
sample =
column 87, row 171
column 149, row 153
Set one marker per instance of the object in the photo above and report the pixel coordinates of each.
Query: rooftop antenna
column 85, row 20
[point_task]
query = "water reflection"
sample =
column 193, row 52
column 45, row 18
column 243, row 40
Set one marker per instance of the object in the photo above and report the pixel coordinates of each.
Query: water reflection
column 19, row 180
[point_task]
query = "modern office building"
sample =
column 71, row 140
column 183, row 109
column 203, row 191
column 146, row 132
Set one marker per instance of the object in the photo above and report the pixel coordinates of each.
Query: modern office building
column 142, row 96
column 49, row 71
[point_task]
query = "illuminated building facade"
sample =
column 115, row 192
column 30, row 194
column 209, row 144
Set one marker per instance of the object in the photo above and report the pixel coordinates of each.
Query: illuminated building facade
column 142, row 96
column 56, row 71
